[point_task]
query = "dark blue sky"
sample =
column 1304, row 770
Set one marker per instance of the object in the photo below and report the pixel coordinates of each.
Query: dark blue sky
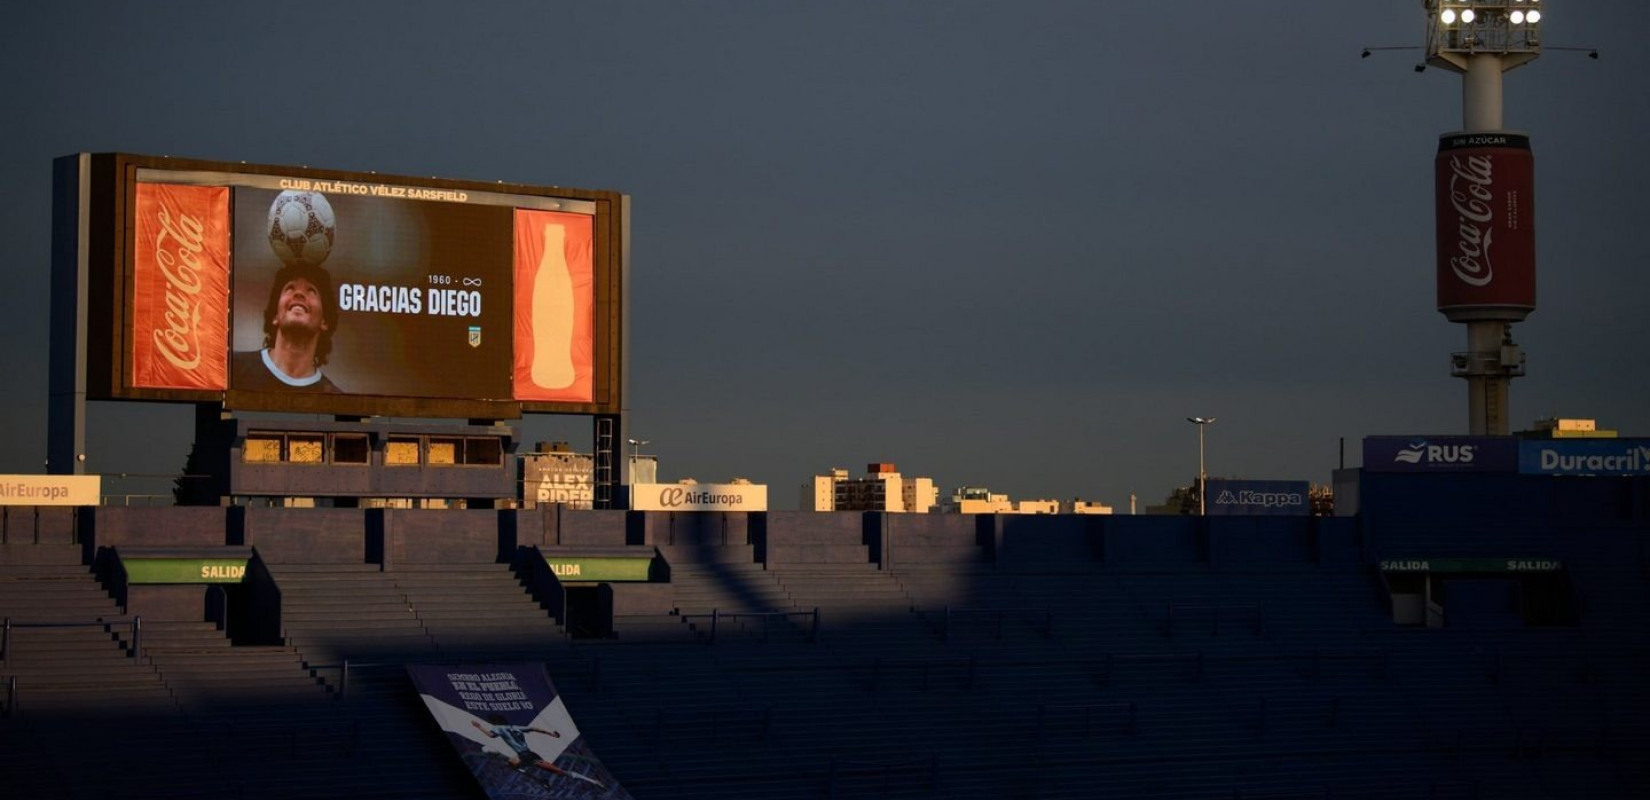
column 1001, row 244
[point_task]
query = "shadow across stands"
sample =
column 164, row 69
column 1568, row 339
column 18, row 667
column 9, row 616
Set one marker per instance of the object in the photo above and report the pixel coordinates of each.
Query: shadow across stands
column 791, row 654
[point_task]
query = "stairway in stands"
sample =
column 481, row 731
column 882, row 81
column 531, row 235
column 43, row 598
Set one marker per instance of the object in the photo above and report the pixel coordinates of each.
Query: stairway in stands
column 336, row 612
column 477, row 611
column 206, row 672
column 356, row 612
column 377, row 622
column 62, row 668
column 73, row 687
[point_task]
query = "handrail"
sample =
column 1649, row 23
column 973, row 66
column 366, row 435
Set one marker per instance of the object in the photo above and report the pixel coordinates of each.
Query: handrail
column 1438, row 612
column 149, row 500
column 1380, row 654
column 883, row 766
column 717, row 614
column 1385, row 587
column 1110, row 658
column 9, row 624
column 1258, row 608
column 1088, row 709
column 925, row 665
column 722, row 535
column 221, row 595
column 1325, row 793
column 762, row 716
column 9, row 525
column 1045, row 630
column 346, row 665
column 344, row 668
column 1471, row 786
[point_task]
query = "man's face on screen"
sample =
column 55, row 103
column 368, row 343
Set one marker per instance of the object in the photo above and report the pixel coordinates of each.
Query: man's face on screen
column 300, row 308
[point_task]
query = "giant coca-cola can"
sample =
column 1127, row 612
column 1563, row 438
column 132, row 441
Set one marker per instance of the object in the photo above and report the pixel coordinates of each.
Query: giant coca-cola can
column 1485, row 190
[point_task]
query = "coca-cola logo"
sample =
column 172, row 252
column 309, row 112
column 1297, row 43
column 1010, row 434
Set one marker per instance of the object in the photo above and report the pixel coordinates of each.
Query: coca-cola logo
column 178, row 247
column 1471, row 179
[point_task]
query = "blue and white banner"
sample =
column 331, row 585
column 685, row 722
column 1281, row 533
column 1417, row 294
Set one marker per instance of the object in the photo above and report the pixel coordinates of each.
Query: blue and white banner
column 1257, row 498
column 1584, row 457
column 513, row 731
column 1440, row 454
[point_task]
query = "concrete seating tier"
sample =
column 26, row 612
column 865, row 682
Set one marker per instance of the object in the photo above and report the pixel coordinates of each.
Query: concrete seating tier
column 332, row 613
column 1120, row 658
column 83, row 664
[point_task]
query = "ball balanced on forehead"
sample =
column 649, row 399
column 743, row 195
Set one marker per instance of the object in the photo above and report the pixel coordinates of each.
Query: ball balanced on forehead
column 301, row 228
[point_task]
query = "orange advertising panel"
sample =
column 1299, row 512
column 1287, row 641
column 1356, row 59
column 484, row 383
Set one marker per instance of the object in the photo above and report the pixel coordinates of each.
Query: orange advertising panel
column 180, row 294
column 554, row 307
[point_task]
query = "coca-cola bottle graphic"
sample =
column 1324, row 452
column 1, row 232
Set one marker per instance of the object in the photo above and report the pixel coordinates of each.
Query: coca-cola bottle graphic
column 553, row 313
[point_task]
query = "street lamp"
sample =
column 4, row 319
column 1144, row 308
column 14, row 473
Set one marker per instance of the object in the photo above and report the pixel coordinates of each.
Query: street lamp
column 1202, row 476
column 635, row 455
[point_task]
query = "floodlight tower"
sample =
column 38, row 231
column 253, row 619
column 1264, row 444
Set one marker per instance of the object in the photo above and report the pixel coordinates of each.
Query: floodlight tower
column 1484, row 188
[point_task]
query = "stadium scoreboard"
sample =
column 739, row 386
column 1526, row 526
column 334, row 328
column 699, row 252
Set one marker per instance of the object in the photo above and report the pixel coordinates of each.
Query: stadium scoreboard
column 294, row 289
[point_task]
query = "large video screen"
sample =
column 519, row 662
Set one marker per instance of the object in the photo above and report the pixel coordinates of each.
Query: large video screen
column 369, row 295
column 300, row 291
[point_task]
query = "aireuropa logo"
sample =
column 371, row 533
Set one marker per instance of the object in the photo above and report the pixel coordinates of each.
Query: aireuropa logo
column 698, row 497
column 50, row 490
column 678, row 496
column 1421, row 452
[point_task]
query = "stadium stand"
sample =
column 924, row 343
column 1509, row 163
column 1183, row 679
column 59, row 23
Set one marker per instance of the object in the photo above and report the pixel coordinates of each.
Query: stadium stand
column 787, row 655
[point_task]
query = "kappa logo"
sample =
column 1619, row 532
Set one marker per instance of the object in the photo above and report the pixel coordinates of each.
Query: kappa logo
column 1249, row 497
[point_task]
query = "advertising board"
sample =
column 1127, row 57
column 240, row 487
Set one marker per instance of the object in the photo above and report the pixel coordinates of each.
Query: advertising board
column 699, row 497
column 565, row 478
column 508, row 725
column 50, row 490
column 1257, row 498
column 1471, row 565
column 184, row 570
column 294, row 289
column 605, row 569
column 1440, row 454
column 1584, row 457
column 1485, row 192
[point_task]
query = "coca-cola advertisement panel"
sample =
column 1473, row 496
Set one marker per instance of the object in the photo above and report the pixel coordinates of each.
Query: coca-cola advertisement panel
column 553, row 324
column 180, row 280
column 1485, row 193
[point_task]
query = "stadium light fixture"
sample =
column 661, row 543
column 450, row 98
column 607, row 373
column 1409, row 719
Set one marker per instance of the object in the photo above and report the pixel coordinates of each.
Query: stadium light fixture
column 1461, row 32
column 1202, row 474
column 635, row 455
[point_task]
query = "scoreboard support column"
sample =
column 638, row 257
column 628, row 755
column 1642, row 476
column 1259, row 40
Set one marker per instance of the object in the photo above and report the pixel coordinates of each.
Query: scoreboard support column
column 608, row 429
column 66, row 381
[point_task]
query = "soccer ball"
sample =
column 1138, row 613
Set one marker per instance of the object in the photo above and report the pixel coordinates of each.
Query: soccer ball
column 301, row 228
